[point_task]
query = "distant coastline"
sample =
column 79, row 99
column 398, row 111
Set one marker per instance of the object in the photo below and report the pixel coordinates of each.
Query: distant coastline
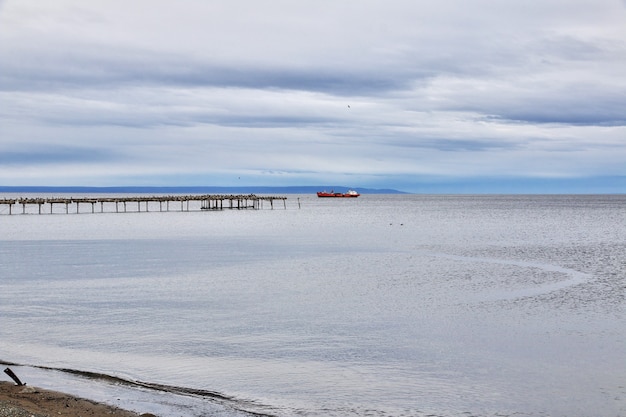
column 189, row 190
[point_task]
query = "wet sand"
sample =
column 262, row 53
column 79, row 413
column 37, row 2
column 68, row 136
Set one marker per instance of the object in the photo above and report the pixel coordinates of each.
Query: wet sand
column 27, row 401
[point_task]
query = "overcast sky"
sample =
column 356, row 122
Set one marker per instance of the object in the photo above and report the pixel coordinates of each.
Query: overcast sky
column 385, row 94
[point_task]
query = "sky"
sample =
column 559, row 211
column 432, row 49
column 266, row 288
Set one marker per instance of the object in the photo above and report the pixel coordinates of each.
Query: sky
column 415, row 95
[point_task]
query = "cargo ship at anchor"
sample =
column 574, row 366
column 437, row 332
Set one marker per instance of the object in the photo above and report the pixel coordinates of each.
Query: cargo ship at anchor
column 350, row 193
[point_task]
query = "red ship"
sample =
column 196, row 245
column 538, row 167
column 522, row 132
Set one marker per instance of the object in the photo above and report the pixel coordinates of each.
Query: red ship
column 350, row 193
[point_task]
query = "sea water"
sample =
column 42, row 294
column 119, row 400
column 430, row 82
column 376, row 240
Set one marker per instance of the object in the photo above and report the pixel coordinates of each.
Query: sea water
column 385, row 305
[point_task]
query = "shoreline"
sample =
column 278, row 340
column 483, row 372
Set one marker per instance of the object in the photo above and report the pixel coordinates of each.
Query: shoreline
column 62, row 391
column 29, row 401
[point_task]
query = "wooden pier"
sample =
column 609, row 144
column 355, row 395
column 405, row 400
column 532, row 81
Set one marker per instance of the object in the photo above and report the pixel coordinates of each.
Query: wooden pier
column 137, row 204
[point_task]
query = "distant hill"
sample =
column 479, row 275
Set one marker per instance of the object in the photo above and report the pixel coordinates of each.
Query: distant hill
column 191, row 190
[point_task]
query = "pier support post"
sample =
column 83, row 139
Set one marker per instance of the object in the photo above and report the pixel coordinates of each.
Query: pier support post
column 14, row 377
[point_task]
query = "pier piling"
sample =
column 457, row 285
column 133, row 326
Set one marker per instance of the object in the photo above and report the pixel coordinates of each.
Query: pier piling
column 14, row 377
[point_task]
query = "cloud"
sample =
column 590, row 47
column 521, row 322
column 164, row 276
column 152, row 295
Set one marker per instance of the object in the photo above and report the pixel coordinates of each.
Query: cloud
column 312, row 90
column 99, row 69
column 53, row 155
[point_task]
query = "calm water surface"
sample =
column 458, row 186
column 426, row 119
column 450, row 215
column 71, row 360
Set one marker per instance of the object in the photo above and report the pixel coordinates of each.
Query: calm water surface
column 378, row 306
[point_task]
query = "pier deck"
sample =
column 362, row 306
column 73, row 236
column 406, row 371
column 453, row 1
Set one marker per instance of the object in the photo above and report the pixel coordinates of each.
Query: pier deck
column 137, row 204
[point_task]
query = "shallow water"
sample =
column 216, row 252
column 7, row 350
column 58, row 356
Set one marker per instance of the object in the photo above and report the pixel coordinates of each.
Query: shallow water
column 378, row 306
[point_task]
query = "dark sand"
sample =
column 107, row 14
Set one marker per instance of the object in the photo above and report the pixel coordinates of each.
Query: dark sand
column 27, row 401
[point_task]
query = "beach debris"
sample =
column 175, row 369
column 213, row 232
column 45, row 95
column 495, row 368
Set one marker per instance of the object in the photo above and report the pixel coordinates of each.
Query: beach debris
column 14, row 377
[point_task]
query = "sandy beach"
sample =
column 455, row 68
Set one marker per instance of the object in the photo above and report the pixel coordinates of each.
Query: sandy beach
column 27, row 401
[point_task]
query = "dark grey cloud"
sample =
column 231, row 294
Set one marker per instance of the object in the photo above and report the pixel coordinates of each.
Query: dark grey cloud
column 43, row 71
column 457, row 145
column 572, row 107
column 251, row 121
column 46, row 155
column 588, row 116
